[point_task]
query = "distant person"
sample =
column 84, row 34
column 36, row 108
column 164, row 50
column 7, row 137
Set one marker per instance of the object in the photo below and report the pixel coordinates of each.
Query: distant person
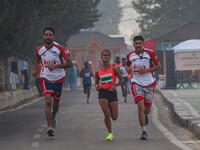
column 54, row 59
column 14, row 80
column 105, row 84
column 38, row 82
column 142, row 63
column 124, row 74
column 86, row 74
column 90, row 65
column 77, row 75
column 74, row 76
column 117, row 62
column 66, row 83
column 24, row 71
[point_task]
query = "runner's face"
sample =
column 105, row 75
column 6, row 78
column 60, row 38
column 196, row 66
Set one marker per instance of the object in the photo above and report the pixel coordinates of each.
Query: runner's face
column 138, row 44
column 105, row 57
column 48, row 37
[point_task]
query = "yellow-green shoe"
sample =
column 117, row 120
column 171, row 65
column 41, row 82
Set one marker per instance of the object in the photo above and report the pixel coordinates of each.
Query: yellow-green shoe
column 109, row 137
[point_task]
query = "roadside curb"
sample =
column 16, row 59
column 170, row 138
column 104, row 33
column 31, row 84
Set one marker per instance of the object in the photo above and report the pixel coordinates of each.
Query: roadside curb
column 12, row 98
column 181, row 111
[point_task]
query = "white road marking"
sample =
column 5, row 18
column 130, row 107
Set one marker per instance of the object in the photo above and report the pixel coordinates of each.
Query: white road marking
column 36, row 136
column 44, row 125
column 165, row 131
column 35, row 144
column 40, row 130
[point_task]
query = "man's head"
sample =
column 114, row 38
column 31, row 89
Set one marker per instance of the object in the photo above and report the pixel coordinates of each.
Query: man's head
column 138, row 37
column 138, row 43
column 86, row 64
column 48, row 35
column 123, row 60
column 117, row 59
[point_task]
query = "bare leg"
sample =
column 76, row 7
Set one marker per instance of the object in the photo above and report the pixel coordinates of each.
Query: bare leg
column 141, row 114
column 55, row 107
column 114, row 110
column 88, row 95
column 106, row 110
column 48, row 112
column 147, row 110
column 126, row 91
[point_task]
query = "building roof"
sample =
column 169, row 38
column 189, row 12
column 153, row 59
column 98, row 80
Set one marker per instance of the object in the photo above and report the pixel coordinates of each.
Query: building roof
column 83, row 38
column 190, row 30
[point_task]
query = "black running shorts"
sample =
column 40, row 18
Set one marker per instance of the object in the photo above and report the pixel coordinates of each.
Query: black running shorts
column 111, row 96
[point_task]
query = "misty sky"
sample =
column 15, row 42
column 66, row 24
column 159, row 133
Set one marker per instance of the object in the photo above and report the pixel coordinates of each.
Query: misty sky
column 128, row 27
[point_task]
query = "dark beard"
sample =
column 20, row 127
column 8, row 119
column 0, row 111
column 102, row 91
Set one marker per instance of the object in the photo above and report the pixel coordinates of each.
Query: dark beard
column 48, row 41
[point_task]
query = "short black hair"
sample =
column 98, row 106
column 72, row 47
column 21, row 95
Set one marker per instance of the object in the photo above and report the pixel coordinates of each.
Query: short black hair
column 138, row 37
column 123, row 58
column 106, row 50
column 86, row 63
column 49, row 28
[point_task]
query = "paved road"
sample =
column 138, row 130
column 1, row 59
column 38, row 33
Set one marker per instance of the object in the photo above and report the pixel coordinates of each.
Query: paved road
column 80, row 126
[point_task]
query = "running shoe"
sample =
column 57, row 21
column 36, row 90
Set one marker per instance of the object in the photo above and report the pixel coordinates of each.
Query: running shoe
column 50, row 131
column 146, row 119
column 109, row 137
column 54, row 121
column 144, row 135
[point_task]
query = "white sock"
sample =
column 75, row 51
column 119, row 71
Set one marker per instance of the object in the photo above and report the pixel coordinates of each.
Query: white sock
column 144, row 128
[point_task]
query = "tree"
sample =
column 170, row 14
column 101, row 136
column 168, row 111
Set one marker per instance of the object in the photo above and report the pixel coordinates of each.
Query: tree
column 160, row 16
column 111, row 15
column 22, row 22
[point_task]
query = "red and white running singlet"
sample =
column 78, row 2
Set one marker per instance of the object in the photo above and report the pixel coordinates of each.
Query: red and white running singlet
column 107, row 78
column 52, row 56
column 142, row 61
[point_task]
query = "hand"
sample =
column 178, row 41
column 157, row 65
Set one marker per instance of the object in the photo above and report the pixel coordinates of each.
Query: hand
column 129, row 70
column 112, row 88
column 142, row 71
column 51, row 67
column 35, row 73
column 97, row 87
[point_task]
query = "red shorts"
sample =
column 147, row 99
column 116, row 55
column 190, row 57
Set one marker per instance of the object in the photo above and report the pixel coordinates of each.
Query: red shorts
column 142, row 93
column 52, row 88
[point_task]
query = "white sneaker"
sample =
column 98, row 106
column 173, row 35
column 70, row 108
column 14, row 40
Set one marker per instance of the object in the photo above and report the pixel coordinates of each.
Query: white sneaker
column 50, row 131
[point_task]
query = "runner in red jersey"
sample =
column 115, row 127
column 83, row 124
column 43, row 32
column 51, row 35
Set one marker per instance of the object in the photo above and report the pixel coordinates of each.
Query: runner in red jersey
column 141, row 63
column 117, row 63
column 54, row 59
column 105, row 83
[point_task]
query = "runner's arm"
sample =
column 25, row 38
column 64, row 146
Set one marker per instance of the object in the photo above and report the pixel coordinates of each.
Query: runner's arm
column 118, row 74
column 97, row 86
column 36, row 69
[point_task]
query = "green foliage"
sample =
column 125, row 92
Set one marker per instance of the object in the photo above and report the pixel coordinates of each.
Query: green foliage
column 22, row 22
column 160, row 16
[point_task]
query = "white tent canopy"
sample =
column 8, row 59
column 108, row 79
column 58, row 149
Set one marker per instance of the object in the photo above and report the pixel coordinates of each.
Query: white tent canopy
column 187, row 55
column 192, row 45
